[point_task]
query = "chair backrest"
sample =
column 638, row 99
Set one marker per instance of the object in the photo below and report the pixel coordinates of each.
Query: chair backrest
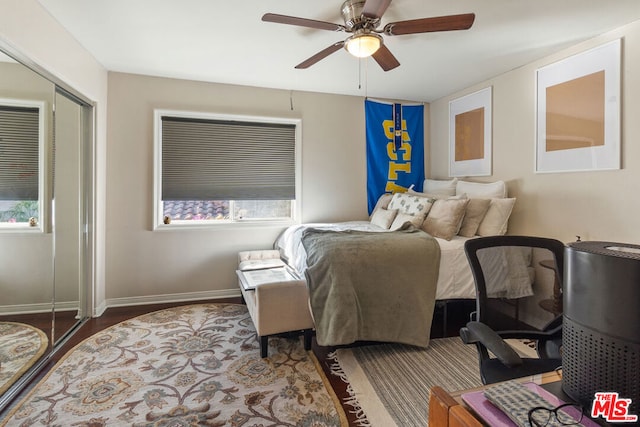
column 518, row 281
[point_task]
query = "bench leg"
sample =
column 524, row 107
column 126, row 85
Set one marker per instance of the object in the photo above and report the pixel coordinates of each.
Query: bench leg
column 264, row 346
column 308, row 334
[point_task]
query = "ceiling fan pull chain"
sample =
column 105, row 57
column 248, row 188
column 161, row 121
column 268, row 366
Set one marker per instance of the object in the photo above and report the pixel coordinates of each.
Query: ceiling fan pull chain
column 366, row 76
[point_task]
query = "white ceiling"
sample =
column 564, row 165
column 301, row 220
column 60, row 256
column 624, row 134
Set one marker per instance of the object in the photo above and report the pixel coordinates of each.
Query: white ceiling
column 226, row 41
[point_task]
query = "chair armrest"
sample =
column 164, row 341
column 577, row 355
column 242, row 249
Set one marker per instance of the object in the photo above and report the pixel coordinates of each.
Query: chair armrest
column 533, row 335
column 479, row 332
column 549, row 342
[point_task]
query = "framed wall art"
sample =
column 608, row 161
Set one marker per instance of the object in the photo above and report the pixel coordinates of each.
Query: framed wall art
column 578, row 112
column 470, row 134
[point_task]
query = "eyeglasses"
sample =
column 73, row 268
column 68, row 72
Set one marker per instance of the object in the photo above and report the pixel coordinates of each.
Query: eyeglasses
column 541, row 416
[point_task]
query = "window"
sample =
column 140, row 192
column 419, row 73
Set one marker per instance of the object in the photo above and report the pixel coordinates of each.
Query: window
column 21, row 154
column 217, row 169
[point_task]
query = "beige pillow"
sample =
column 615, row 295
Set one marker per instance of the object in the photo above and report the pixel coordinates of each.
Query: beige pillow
column 383, row 217
column 482, row 190
column 495, row 220
column 446, row 187
column 383, row 202
column 473, row 216
column 410, row 204
column 401, row 218
column 444, row 218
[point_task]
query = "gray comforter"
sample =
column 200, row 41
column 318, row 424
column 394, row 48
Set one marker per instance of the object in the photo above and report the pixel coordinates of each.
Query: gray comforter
column 371, row 286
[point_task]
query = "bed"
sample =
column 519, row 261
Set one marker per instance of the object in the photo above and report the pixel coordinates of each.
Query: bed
column 455, row 280
column 395, row 301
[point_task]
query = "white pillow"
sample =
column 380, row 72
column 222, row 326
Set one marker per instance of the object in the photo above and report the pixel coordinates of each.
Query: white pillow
column 410, row 190
column 401, row 218
column 479, row 190
column 410, row 204
column 495, row 220
column 445, row 187
column 383, row 202
column 383, row 217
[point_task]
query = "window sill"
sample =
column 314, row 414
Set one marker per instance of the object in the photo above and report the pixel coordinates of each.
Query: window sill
column 20, row 229
column 223, row 225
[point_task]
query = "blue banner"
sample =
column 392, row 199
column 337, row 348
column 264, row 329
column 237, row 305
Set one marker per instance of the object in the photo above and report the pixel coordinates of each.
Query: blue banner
column 395, row 149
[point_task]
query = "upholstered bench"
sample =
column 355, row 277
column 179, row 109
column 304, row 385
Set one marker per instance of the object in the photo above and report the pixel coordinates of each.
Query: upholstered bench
column 275, row 307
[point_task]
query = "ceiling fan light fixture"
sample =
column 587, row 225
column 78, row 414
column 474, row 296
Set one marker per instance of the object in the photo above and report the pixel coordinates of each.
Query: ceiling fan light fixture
column 363, row 45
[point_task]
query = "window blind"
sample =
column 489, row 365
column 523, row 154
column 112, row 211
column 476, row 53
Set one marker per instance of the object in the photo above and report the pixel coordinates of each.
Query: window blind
column 206, row 159
column 19, row 153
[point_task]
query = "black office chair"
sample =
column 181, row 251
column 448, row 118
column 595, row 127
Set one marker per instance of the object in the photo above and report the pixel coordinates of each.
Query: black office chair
column 511, row 303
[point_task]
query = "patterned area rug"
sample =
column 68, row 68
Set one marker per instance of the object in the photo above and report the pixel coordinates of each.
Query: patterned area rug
column 185, row 366
column 20, row 347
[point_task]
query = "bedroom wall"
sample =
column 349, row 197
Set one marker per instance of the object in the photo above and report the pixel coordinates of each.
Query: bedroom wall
column 132, row 264
column 28, row 28
column 148, row 266
column 599, row 205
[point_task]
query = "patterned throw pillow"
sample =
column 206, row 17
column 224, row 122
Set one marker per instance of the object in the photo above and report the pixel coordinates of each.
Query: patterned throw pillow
column 411, row 204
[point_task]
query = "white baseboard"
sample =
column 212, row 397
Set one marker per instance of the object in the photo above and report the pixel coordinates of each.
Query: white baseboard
column 6, row 310
column 169, row 298
column 120, row 302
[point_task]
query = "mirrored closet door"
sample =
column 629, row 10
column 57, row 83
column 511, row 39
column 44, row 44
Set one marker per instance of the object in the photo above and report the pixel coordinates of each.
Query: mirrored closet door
column 45, row 189
column 69, row 212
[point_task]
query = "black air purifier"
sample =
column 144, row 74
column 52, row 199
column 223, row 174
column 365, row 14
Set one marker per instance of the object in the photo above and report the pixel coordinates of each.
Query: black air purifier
column 601, row 323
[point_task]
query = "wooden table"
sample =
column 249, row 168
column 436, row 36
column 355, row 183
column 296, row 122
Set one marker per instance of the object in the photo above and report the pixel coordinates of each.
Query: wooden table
column 449, row 410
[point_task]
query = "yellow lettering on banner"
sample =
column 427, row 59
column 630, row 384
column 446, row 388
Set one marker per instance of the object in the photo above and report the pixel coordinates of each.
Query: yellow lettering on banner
column 392, row 187
column 391, row 151
column 405, row 147
column 394, row 168
column 397, row 163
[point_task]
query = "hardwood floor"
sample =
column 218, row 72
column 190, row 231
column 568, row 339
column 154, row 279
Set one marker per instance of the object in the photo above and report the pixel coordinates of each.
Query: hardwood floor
column 457, row 314
column 64, row 320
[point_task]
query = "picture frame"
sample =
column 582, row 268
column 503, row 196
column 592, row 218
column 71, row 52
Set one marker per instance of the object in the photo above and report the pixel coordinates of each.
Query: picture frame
column 578, row 112
column 470, row 134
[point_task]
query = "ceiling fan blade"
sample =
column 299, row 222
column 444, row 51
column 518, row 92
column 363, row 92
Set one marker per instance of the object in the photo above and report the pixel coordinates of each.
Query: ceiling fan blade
column 385, row 58
column 320, row 55
column 375, row 8
column 302, row 22
column 426, row 25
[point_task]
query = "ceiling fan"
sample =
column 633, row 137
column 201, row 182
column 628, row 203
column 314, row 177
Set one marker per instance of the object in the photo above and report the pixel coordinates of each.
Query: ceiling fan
column 361, row 19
